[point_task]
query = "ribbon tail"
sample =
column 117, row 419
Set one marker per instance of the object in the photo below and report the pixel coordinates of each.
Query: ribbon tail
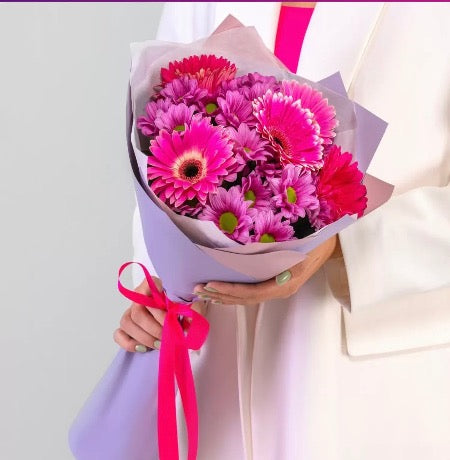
column 186, row 385
column 167, row 419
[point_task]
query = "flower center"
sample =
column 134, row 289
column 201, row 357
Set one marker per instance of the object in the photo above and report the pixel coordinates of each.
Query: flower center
column 247, row 150
column 250, row 195
column 291, row 195
column 267, row 238
column 191, row 167
column 210, row 108
column 228, row 222
column 279, row 140
column 179, row 128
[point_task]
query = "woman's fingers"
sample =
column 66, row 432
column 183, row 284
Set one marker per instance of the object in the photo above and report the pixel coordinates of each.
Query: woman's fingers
column 140, row 325
column 125, row 341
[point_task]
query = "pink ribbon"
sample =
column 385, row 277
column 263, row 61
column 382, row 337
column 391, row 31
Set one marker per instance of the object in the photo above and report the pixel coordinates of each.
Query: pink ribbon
column 174, row 365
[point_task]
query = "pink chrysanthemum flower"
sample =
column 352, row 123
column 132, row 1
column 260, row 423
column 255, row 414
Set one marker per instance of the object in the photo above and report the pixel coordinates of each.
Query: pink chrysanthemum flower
column 268, row 169
column 252, row 85
column 234, row 110
column 228, row 210
column 294, row 192
column 146, row 123
column 189, row 165
column 248, row 143
column 339, row 188
column 185, row 90
column 210, row 71
column 270, row 227
column 323, row 113
column 175, row 118
column 290, row 128
column 254, row 190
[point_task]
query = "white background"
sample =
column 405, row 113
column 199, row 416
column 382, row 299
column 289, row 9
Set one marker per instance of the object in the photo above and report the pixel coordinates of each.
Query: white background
column 66, row 202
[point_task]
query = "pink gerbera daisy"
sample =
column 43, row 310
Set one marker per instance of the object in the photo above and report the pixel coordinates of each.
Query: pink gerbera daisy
column 234, row 110
column 270, row 227
column 290, row 129
column 176, row 117
column 210, row 71
column 146, row 123
column 339, row 188
column 323, row 113
column 189, row 165
column 255, row 191
column 294, row 192
column 228, row 210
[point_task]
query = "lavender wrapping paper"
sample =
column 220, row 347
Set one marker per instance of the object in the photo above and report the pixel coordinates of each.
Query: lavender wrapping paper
column 119, row 419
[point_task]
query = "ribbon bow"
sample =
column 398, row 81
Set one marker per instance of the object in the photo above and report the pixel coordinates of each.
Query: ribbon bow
column 174, row 365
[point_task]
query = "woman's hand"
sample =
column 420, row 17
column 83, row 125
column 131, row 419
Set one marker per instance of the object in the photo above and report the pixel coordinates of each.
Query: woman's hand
column 280, row 287
column 141, row 326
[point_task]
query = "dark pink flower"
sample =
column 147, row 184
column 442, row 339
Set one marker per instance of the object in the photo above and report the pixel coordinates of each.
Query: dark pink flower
column 228, row 210
column 270, row 227
column 189, row 165
column 324, row 115
column 210, row 71
column 290, row 129
column 339, row 188
column 294, row 192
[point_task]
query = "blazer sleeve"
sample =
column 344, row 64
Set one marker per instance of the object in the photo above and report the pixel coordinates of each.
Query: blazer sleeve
column 394, row 278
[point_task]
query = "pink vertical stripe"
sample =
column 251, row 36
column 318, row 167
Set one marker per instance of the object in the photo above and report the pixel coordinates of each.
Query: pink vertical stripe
column 292, row 25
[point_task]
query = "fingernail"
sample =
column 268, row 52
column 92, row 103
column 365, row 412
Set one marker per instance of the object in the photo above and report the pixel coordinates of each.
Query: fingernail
column 210, row 289
column 157, row 344
column 203, row 296
column 283, row 277
column 140, row 348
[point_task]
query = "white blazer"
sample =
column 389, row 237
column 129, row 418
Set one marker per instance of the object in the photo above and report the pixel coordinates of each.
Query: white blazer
column 291, row 380
column 395, row 61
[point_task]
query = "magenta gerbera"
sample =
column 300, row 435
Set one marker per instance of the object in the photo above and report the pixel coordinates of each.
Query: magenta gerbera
column 234, row 110
column 175, row 118
column 270, row 227
column 323, row 113
column 290, row 128
column 339, row 188
column 254, row 190
column 184, row 89
column 187, row 166
column 210, row 71
column 146, row 123
column 228, row 210
column 294, row 192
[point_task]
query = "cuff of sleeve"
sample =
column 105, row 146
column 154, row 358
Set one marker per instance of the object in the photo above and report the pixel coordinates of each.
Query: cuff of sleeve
column 336, row 274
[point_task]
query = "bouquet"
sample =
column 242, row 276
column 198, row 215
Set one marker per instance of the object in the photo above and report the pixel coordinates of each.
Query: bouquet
column 240, row 169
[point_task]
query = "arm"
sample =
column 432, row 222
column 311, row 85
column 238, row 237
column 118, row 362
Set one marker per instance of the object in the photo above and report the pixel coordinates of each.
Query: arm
column 397, row 263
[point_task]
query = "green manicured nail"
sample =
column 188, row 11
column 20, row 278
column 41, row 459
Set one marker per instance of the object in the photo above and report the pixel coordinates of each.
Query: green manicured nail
column 283, row 277
column 157, row 344
column 140, row 348
column 210, row 289
column 203, row 296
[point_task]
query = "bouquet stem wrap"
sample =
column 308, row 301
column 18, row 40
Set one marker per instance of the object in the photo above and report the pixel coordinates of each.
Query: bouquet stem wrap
column 174, row 365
